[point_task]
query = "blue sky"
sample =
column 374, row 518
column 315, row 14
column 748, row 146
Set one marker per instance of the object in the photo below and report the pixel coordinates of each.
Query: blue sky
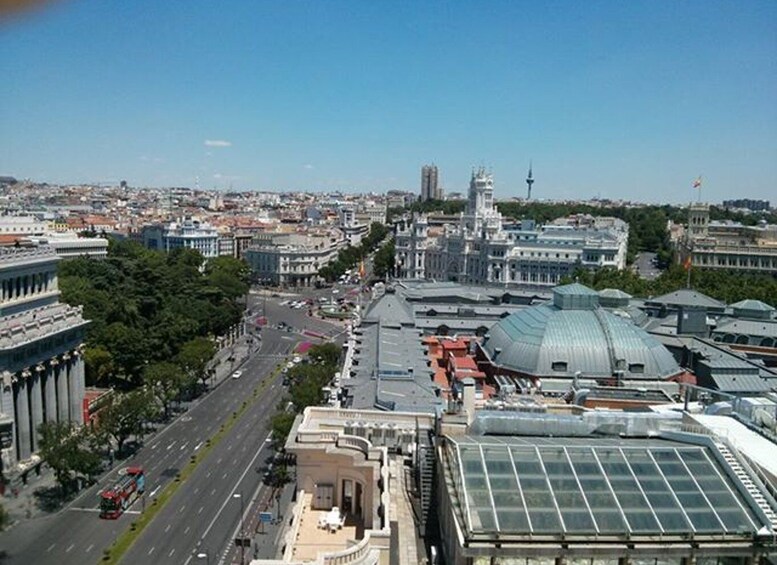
column 616, row 99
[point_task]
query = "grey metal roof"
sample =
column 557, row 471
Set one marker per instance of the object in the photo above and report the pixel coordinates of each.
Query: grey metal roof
column 739, row 383
column 761, row 328
column 391, row 371
column 389, row 309
column 586, row 487
column 537, row 340
column 750, row 304
column 686, row 297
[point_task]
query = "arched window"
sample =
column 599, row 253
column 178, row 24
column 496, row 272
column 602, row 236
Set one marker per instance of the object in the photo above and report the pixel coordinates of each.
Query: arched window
column 481, row 331
column 742, row 339
column 443, row 330
column 728, row 338
column 767, row 342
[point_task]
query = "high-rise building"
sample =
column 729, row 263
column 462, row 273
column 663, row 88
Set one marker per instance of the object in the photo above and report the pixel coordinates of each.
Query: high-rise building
column 430, row 188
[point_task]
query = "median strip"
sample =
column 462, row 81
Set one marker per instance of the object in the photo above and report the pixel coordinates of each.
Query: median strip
column 115, row 552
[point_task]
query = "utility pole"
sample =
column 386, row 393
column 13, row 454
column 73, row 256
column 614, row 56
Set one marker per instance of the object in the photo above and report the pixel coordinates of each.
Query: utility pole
column 241, row 534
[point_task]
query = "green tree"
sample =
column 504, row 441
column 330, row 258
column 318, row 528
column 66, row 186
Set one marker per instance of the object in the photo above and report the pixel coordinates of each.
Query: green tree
column 384, row 260
column 64, row 448
column 126, row 415
column 194, row 357
column 231, row 276
column 165, row 382
column 325, row 353
column 56, row 448
column 99, row 366
column 281, row 425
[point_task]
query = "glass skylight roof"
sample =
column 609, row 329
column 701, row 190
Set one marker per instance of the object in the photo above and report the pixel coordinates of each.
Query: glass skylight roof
column 588, row 488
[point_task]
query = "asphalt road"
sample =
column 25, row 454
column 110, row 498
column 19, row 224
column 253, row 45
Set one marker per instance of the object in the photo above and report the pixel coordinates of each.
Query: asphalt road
column 76, row 535
column 204, row 514
column 643, row 265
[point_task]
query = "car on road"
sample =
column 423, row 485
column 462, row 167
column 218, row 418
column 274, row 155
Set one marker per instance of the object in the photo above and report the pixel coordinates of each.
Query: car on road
column 237, row 374
column 297, row 359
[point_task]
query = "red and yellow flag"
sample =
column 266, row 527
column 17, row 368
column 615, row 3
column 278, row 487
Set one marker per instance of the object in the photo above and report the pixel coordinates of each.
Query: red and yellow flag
column 362, row 270
column 697, row 182
column 687, row 263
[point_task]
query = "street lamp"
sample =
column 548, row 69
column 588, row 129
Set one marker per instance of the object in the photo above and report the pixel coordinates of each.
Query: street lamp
column 242, row 538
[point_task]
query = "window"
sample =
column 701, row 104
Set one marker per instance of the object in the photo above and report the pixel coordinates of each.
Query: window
column 636, row 368
column 560, row 366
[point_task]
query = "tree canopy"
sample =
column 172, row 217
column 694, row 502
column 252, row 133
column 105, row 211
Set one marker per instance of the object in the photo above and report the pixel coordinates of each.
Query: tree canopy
column 145, row 305
column 348, row 257
column 727, row 286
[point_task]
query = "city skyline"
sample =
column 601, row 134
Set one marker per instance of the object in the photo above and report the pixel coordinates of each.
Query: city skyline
column 621, row 102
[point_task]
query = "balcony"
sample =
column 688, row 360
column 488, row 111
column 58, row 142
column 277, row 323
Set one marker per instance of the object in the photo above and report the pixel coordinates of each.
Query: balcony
column 310, row 541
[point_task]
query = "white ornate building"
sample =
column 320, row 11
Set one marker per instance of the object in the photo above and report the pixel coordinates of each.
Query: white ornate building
column 41, row 366
column 727, row 245
column 482, row 249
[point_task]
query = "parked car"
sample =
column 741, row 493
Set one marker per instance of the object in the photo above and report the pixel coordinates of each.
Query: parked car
column 237, row 374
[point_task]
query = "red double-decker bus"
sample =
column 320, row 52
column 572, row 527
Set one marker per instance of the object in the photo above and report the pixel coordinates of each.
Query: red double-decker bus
column 115, row 500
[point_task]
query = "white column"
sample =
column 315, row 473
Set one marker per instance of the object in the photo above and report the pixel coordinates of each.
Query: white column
column 80, row 388
column 62, row 412
column 50, row 392
column 23, row 418
column 74, row 398
column 36, row 403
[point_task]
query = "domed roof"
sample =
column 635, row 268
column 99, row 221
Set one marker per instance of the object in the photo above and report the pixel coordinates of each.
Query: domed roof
column 575, row 334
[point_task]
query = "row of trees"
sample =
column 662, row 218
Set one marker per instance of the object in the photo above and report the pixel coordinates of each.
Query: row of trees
column 305, row 383
column 383, row 262
column 148, row 307
column 350, row 256
column 727, row 286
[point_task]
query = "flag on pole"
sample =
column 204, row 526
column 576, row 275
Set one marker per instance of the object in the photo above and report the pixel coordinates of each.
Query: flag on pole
column 687, row 263
column 697, row 182
column 362, row 270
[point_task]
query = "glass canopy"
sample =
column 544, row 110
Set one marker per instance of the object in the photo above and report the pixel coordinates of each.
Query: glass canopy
column 552, row 486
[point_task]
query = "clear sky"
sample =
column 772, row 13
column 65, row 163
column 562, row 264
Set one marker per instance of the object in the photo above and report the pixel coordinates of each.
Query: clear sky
column 616, row 99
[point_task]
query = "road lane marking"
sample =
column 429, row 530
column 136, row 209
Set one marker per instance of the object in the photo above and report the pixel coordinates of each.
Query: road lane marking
column 82, row 509
column 200, row 510
column 186, row 531
column 213, row 492
column 171, row 552
column 167, row 529
column 196, row 490
column 70, row 547
column 182, row 509
column 196, row 447
column 50, row 547
column 153, row 492
column 184, row 446
column 150, row 551
column 234, row 488
column 88, row 549
column 172, row 444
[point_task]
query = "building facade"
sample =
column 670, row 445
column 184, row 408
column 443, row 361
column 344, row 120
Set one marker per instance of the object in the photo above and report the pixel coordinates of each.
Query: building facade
column 41, row 363
column 292, row 259
column 481, row 249
column 727, row 245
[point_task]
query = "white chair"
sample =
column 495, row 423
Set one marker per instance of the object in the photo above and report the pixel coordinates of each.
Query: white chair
column 322, row 520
